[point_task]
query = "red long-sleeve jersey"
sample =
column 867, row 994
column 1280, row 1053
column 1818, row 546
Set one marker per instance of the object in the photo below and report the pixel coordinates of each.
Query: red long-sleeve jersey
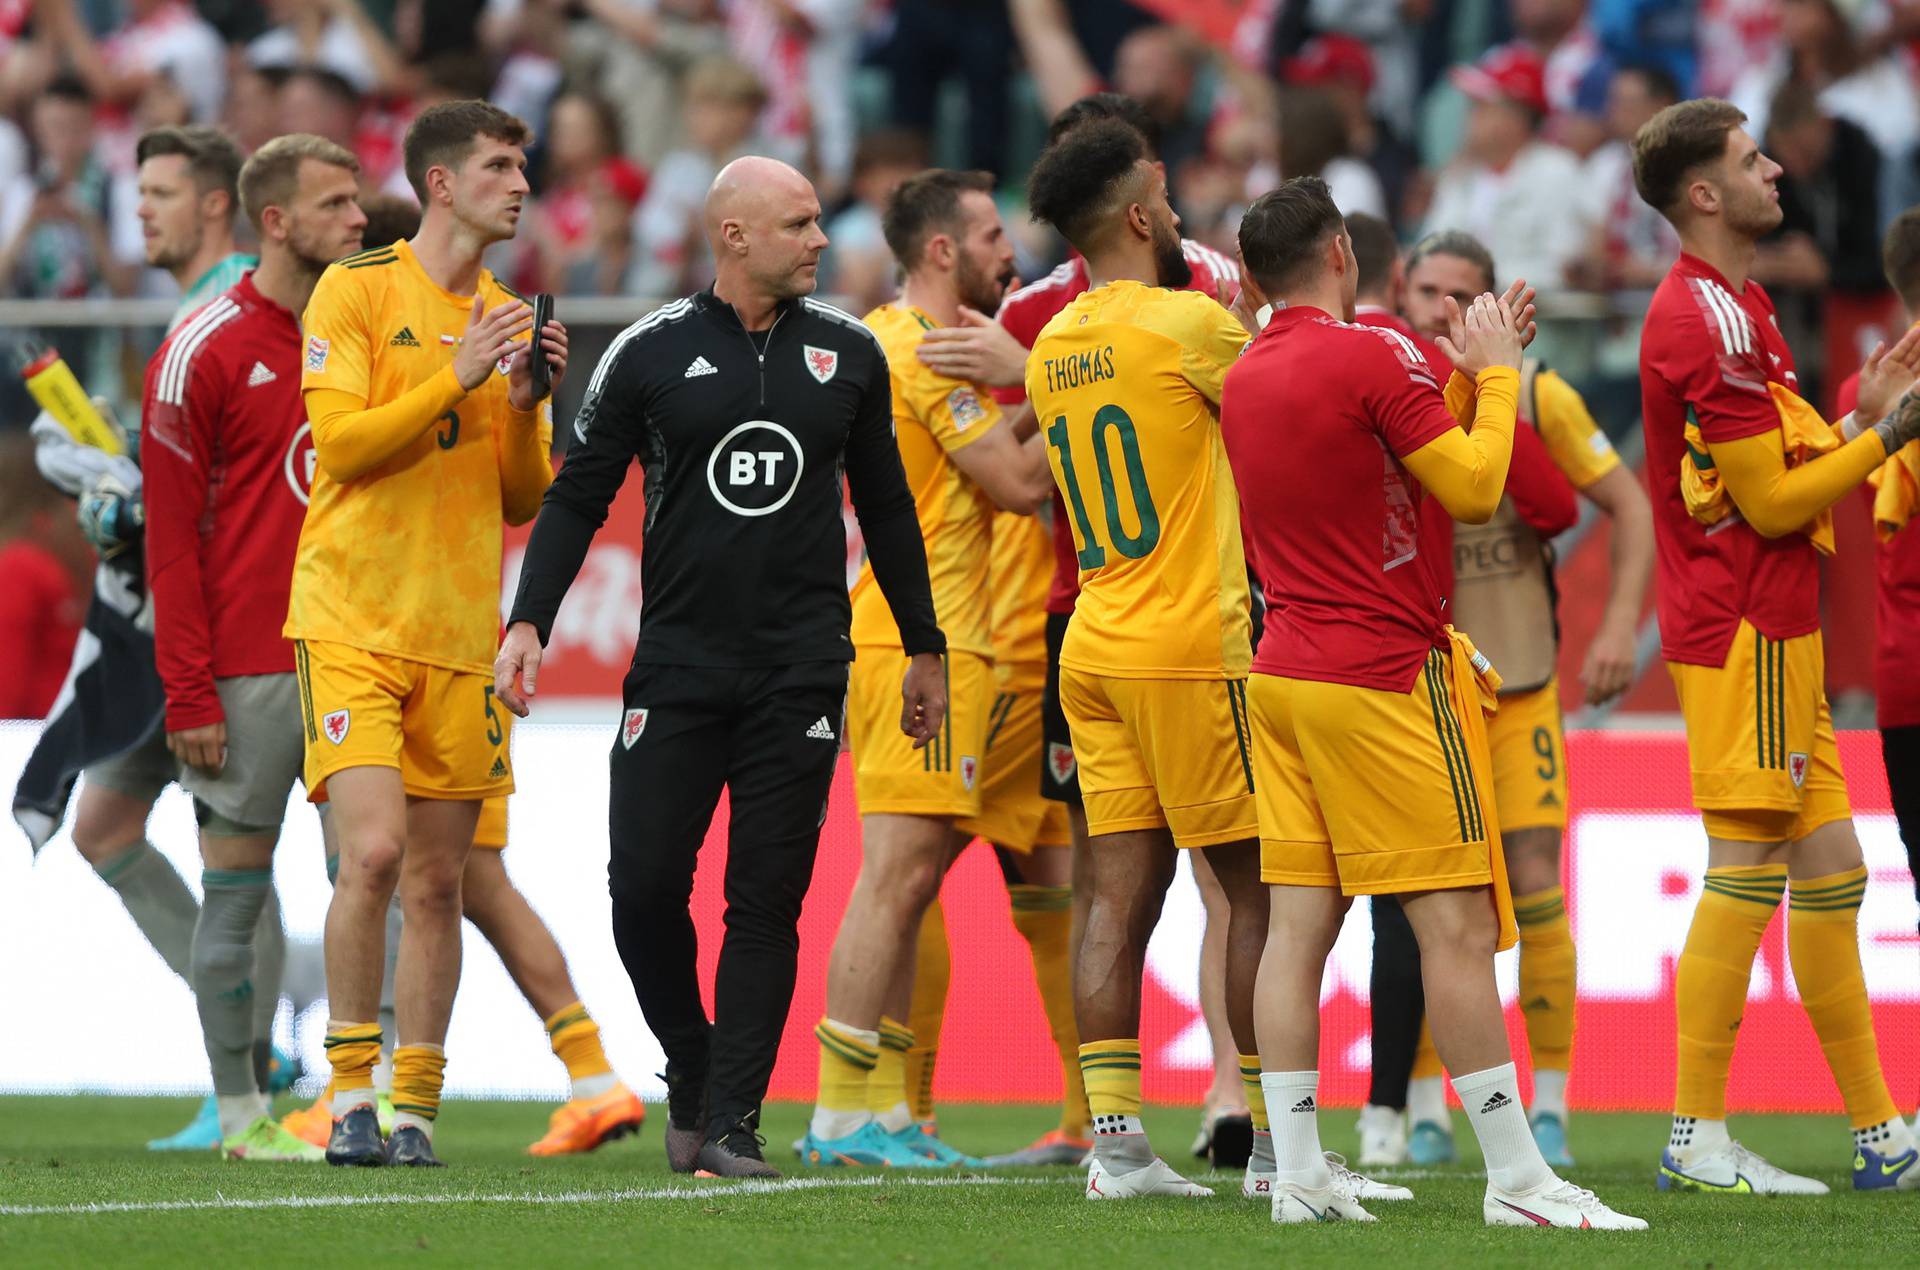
column 227, row 461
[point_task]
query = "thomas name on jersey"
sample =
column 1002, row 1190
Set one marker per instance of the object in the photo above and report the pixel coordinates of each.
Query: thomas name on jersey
column 1089, row 367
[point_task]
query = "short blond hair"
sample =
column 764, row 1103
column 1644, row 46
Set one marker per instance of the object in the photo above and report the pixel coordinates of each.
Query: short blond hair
column 272, row 176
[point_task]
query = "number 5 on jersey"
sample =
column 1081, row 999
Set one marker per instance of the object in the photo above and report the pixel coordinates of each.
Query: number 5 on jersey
column 1109, row 421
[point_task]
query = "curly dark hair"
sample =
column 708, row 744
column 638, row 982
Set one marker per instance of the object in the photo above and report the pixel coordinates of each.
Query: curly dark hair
column 1107, row 106
column 1075, row 184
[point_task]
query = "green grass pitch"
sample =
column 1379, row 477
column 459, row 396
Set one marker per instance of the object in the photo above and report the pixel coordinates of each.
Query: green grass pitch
column 77, row 1189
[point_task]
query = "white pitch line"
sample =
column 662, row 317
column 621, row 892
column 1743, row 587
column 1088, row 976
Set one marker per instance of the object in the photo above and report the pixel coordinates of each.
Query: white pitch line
column 750, row 1187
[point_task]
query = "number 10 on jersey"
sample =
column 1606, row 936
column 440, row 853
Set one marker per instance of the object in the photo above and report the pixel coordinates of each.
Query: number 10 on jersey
column 1109, row 420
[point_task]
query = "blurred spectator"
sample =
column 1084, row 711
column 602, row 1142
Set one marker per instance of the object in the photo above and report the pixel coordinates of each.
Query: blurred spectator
column 54, row 222
column 321, row 102
column 156, row 37
column 1343, row 67
column 859, row 264
column 1575, row 70
column 935, row 40
column 1313, row 142
column 1391, row 31
column 583, row 141
column 45, row 567
column 1825, row 45
column 334, row 35
column 1070, row 46
column 635, row 54
column 723, row 104
column 252, row 114
column 1159, row 67
column 1828, row 234
column 1629, row 244
column 805, row 52
column 1733, row 36
column 1507, row 186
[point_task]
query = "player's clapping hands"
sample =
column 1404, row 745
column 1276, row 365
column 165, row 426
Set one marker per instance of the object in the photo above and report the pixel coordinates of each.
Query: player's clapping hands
column 490, row 336
column 1493, row 331
column 553, row 341
column 1887, row 374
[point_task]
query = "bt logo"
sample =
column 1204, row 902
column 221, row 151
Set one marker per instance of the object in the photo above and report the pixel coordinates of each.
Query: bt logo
column 755, row 468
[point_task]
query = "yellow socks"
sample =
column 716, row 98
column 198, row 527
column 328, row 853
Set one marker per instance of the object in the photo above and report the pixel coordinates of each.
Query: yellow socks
column 352, row 1050
column 1710, row 984
column 1112, row 1073
column 933, row 971
column 576, row 1042
column 1256, row 1098
column 1823, row 944
column 418, row 1071
column 848, row 1056
column 887, row 1083
column 1546, row 977
column 1044, row 917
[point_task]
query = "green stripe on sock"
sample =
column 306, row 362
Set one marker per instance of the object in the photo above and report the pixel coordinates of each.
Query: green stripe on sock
column 236, row 878
column 1766, row 901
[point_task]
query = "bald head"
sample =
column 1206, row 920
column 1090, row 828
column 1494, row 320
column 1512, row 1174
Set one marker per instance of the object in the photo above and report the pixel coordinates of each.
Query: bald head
column 763, row 223
column 749, row 189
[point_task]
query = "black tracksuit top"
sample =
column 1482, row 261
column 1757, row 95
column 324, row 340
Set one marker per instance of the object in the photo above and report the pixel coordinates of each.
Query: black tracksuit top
column 745, row 439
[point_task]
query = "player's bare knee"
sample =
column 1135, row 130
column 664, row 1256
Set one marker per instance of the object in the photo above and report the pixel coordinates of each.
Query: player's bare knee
column 1533, row 859
column 371, row 864
column 106, row 823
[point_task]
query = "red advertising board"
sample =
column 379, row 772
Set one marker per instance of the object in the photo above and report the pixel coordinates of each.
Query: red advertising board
column 1635, row 856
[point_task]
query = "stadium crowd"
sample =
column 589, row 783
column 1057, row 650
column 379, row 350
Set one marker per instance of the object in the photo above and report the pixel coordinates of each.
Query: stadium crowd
column 676, row 150
column 1432, row 114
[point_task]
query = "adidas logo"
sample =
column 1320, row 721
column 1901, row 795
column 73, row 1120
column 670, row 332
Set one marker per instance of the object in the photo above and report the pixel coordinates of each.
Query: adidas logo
column 405, row 339
column 701, row 366
column 1549, row 799
column 1496, row 1102
column 1538, row 1003
column 1305, row 1104
column 260, row 375
column 499, row 768
column 821, row 729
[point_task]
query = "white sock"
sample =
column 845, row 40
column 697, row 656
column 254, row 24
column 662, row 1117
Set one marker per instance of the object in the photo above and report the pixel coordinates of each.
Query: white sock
column 1427, row 1102
column 1293, row 1112
column 237, row 1111
column 1492, row 1100
column 1549, row 1094
column 345, row 1100
column 383, row 1068
column 828, row 1125
column 1889, row 1138
column 1692, row 1137
column 896, row 1117
column 404, row 1118
column 594, row 1086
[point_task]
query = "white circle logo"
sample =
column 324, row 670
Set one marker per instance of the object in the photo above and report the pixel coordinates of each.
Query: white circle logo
column 754, row 469
column 299, row 463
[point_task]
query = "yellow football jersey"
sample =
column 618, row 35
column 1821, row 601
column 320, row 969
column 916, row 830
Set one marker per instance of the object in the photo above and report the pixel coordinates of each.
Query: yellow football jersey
column 1126, row 384
column 404, row 557
column 933, row 416
column 1019, row 575
column 1574, row 441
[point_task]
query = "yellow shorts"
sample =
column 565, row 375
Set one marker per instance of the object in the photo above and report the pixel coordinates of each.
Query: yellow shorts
column 441, row 728
column 1373, row 792
column 1528, row 745
column 1013, row 812
column 889, row 775
column 1162, row 753
column 1760, row 742
column 491, row 833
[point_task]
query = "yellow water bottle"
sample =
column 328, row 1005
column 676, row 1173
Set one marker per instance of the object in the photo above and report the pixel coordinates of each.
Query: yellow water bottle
column 53, row 385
